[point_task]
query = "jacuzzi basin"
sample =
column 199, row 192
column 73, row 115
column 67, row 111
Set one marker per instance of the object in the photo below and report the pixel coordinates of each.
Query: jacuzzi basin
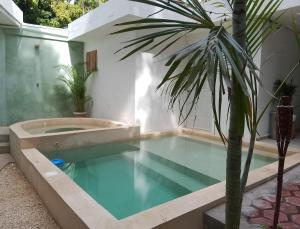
column 69, row 132
column 57, row 125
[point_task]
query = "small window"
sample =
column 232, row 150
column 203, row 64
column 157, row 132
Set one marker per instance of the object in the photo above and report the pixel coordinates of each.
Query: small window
column 91, row 61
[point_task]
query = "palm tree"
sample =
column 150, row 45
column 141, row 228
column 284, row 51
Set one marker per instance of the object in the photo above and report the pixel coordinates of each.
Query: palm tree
column 75, row 78
column 224, row 59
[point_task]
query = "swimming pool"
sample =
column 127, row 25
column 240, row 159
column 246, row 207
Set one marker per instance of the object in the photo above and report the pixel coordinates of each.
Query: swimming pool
column 132, row 176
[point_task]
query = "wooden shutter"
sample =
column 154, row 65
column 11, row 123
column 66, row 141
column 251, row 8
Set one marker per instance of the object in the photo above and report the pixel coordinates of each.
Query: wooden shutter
column 91, row 61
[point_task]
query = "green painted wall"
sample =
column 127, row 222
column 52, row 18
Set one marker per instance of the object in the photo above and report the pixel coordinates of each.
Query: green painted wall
column 3, row 114
column 28, row 75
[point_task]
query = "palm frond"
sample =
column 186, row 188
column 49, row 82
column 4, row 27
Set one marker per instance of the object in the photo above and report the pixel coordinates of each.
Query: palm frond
column 261, row 22
column 74, row 78
column 216, row 58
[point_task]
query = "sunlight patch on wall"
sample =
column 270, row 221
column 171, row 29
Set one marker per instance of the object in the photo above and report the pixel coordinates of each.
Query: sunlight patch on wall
column 142, row 85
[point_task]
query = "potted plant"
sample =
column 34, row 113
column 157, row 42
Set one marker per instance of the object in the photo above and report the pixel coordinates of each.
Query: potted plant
column 286, row 89
column 74, row 78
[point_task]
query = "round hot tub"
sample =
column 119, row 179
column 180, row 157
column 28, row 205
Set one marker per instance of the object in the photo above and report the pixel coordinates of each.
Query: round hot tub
column 63, row 129
column 56, row 133
column 60, row 125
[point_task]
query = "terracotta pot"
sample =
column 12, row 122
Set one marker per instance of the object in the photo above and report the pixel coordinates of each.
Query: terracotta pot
column 80, row 114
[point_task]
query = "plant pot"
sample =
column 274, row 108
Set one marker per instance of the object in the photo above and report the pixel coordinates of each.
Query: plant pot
column 80, row 114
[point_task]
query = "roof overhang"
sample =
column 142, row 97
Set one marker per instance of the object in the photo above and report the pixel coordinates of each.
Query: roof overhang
column 288, row 4
column 290, row 16
column 101, row 20
column 10, row 14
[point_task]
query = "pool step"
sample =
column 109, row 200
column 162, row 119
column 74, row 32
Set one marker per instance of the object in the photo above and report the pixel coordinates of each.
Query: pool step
column 4, row 134
column 4, row 130
column 176, row 173
column 173, row 175
column 4, row 140
column 4, row 148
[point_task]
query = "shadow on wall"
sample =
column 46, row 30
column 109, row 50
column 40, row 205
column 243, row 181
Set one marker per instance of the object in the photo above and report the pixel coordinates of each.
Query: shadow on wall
column 31, row 76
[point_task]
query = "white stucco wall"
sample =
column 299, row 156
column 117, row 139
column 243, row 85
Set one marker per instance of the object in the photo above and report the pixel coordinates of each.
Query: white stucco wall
column 201, row 117
column 112, row 87
column 126, row 91
column 10, row 14
column 279, row 54
column 287, row 4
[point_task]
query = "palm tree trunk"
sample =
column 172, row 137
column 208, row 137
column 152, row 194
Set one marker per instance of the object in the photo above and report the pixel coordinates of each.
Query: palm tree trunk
column 236, row 128
column 233, row 168
column 248, row 161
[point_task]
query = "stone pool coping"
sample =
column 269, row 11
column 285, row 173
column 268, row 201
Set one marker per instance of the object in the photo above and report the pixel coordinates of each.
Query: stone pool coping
column 21, row 128
column 74, row 208
column 21, row 139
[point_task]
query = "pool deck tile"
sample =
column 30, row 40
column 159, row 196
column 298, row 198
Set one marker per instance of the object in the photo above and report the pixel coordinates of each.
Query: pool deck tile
column 286, row 193
column 296, row 193
column 251, row 212
column 289, row 217
column 269, row 197
column 262, row 204
column 296, row 219
column 293, row 200
column 288, row 208
column 289, row 226
column 269, row 214
column 261, row 221
column 292, row 187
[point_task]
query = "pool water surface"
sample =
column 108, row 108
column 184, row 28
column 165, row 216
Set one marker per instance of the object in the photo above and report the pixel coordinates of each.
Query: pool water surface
column 129, row 177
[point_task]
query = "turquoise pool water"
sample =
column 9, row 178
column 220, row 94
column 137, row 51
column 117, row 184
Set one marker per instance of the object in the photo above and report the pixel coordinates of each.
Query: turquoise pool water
column 129, row 177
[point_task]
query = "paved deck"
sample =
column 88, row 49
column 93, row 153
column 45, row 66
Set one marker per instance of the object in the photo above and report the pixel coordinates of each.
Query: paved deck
column 261, row 211
column 20, row 207
column 295, row 143
column 258, row 204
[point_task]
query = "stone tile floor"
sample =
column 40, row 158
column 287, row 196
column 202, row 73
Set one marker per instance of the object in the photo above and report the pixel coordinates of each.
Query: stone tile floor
column 261, row 210
column 295, row 143
column 262, row 198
